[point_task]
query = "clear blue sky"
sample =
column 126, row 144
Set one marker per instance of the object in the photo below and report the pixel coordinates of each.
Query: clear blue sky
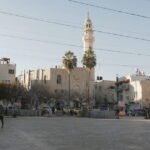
column 34, row 55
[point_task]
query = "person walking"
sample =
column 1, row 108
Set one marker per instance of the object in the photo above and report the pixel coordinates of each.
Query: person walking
column 117, row 113
column 53, row 110
column 2, row 115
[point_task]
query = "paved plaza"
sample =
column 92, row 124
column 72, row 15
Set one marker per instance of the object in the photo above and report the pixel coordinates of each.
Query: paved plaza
column 70, row 133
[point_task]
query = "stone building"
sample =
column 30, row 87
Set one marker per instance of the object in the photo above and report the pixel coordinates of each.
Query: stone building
column 105, row 93
column 56, row 79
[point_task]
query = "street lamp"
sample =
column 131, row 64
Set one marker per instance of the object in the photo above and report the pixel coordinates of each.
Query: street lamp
column 117, row 86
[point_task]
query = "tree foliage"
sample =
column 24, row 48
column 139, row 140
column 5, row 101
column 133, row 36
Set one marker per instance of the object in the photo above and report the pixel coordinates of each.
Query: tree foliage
column 41, row 92
column 89, row 59
column 10, row 92
column 69, row 60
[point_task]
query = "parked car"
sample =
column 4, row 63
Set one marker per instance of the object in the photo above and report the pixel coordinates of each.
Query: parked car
column 66, row 110
column 76, row 111
column 71, row 111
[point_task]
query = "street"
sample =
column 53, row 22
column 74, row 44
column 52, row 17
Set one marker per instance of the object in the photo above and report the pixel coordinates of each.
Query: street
column 71, row 133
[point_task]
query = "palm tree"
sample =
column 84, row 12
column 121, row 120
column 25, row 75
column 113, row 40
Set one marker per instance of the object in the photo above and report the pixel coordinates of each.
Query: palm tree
column 89, row 61
column 69, row 62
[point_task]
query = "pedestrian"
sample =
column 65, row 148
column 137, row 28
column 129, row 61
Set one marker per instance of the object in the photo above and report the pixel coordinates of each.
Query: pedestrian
column 2, row 115
column 49, row 111
column 71, row 112
column 53, row 110
column 117, row 113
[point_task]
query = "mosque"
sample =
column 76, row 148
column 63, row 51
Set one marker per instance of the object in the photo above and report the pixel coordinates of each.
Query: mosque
column 55, row 80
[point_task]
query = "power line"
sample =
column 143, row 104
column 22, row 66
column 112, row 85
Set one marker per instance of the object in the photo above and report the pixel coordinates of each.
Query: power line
column 72, row 45
column 110, row 9
column 121, row 52
column 39, row 19
column 74, row 26
column 122, row 65
column 121, row 35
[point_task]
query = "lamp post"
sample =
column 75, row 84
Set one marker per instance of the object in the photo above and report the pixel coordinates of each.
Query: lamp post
column 117, row 93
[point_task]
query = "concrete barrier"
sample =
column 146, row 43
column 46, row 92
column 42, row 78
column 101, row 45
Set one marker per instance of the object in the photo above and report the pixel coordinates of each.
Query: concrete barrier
column 24, row 112
column 96, row 113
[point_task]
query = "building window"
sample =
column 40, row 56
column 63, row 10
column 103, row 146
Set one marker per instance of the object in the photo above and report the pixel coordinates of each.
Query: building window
column 120, row 97
column 56, row 91
column 127, row 97
column 45, row 79
column 11, row 71
column 58, row 79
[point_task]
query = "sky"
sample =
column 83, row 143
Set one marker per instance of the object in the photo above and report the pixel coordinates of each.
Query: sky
column 36, row 54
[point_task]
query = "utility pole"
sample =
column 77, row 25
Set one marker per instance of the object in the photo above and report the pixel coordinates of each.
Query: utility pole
column 117, row 86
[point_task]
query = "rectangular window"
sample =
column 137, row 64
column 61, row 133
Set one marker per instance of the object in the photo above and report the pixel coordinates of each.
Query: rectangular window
column 45, row 79
column 120, row 97
column 58, row 79
column 11, row 71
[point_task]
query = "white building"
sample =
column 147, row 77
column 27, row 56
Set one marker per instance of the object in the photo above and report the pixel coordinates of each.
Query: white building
column 134, row 89
column 7, row 71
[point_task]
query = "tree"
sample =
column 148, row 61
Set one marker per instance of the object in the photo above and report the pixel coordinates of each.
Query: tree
column 89, row 61
column 39, row 94
column 69, row 62
column 11, row 92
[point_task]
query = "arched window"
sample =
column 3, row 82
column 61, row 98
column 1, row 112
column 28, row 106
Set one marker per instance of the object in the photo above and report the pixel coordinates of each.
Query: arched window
column 58, row 79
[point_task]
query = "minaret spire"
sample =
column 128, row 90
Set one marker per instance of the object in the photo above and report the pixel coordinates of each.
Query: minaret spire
column 88, row 38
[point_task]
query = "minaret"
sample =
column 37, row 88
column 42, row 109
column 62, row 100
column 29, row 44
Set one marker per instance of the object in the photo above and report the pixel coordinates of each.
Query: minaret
column 88, row 38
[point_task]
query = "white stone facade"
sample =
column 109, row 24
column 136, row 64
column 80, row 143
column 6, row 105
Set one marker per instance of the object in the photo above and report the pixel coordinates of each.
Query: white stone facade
column 134, row 89
column 88, row 38
column 7, row 71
